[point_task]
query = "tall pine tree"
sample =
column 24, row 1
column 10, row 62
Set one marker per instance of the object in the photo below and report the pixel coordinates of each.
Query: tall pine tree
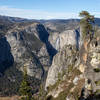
column 86, row 24
column 25, row 89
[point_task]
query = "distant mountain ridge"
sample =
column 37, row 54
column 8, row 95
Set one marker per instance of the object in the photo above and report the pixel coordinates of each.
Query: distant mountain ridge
column 18, row 19
column 13, row 19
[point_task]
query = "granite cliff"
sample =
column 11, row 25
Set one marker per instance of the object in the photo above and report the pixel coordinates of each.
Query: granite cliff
column 24, row 44
column 74, row 74
column 31, row 44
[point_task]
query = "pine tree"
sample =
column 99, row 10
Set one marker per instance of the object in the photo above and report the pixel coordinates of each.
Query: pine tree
column 25, row 89
column 42, row 93
column 86, row 23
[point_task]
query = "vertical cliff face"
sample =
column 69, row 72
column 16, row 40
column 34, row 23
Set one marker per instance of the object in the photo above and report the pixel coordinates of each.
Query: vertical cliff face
column 65, row 58
column 6, row 57
column 64, row 76
column 30, row 47
column 75, row 74
column 63, row 32
column 58, row 40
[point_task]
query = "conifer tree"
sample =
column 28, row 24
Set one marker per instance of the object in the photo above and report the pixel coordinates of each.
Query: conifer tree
column 86, row 23
column 25, row 89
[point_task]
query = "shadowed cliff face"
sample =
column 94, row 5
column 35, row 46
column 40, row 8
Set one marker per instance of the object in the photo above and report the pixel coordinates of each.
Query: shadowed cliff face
column 77, row 39
column 6, row 57
column 44, row 35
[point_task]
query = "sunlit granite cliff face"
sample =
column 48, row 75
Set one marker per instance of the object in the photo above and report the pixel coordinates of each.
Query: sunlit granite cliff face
column 65, row 38
column 74, row 74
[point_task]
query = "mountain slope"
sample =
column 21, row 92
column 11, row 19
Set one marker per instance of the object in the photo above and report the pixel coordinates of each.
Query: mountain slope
column 24, row 45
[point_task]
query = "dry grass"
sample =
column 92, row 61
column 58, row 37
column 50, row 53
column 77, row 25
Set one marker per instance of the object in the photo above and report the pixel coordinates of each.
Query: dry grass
column 9, row 98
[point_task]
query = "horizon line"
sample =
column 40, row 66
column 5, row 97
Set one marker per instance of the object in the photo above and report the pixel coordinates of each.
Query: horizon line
column 40, row 14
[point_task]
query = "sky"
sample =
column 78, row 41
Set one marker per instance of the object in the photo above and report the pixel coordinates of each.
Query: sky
column 48, row 9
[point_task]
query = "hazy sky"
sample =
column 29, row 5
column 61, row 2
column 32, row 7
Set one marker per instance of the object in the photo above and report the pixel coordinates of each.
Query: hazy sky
column 48, row 9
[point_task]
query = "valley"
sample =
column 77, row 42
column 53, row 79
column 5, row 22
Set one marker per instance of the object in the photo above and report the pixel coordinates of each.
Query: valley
column 52, row 52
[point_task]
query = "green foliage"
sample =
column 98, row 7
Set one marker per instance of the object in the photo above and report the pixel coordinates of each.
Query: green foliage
column 86, row 23
column 63, row 94
column 97, row 70
column 49, row 98
column 51, row 87
column 42, row 93
column 70, row 68
column 10, row 81
column 97, row 83
column 97, row 91
column 25, row 89
column 60, row 76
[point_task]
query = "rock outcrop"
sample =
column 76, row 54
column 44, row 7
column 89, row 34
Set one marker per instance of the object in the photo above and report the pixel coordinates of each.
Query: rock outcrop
column 74, row 75
column 58, row 40
column 61, row 62
column 25, row 47
column 64, row 76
